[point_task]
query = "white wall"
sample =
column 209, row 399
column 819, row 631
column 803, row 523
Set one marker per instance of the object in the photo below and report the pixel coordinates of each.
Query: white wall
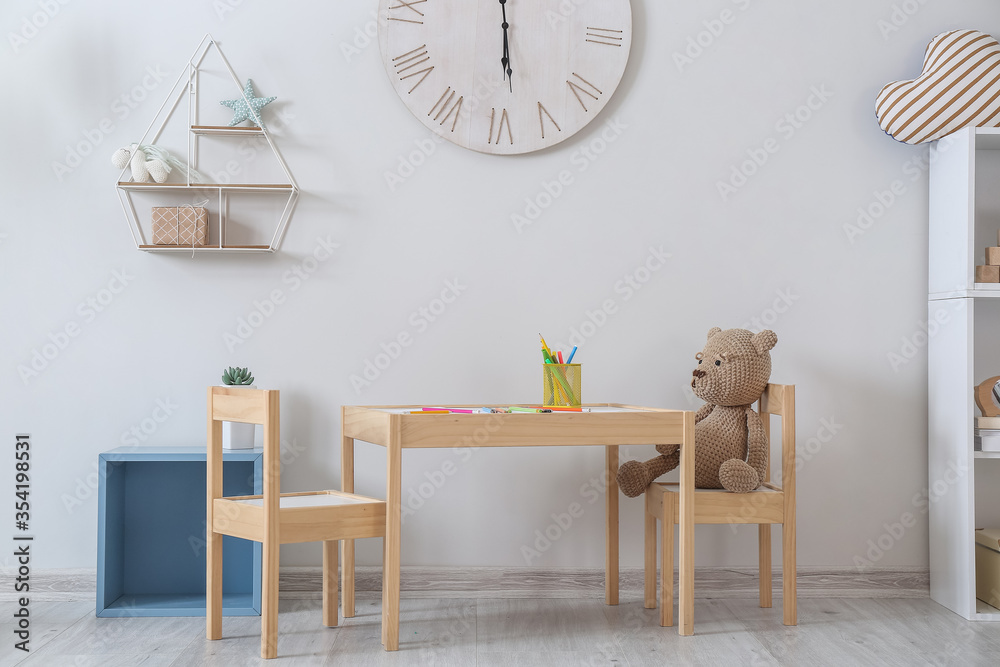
column 852, row 302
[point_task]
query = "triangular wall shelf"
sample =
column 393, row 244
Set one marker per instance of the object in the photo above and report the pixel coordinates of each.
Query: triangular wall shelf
column 193, row 192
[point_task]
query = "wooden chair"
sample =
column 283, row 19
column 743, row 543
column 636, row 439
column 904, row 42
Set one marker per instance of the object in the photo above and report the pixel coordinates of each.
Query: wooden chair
column 770, row 504
column 274, row 518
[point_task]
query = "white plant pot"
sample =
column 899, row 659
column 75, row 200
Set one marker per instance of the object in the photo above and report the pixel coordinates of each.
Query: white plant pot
column 238, row 435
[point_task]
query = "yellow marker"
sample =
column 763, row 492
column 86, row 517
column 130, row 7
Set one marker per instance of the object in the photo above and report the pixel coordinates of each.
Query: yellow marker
column 544, row 346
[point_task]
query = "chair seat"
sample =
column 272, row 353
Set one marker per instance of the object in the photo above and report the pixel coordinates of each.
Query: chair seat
column 303, row 517
column 718, row 506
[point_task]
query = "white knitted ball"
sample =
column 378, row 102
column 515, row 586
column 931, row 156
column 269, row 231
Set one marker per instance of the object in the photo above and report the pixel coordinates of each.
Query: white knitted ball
column 121, row 157
column 158, row 169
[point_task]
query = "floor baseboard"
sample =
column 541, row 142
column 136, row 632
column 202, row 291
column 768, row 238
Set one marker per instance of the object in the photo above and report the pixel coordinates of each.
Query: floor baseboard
column 520, row 582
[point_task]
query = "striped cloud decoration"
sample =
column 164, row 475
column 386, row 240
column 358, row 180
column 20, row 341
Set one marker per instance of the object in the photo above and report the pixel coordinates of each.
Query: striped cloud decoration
column 959, row 86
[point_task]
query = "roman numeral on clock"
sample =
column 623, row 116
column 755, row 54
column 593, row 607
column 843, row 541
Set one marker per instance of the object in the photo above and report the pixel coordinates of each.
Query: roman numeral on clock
column 541, row 119
column 605, row 36
column 407, row 4
column 407, row 65
column 494, row 122
column 446, row 107
column 587, row 88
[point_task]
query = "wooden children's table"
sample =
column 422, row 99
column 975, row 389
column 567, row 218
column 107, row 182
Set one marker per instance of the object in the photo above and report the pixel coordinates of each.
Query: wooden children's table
column 606, row 425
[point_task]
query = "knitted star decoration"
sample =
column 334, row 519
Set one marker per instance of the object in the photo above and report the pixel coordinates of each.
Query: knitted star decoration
column 242, row 112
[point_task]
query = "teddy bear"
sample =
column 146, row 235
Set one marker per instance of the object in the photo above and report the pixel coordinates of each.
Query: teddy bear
column 730, row 446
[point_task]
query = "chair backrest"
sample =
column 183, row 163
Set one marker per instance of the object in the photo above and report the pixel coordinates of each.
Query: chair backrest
column 779, row 399
column 250, row 406
column 237, row 404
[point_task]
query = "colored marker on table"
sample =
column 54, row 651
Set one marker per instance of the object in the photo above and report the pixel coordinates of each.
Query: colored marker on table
column 545, row 346
column 516, row 408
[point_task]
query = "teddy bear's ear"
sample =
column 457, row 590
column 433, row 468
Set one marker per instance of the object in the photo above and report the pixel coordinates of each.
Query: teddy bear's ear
column 764, row 340
column 713, row 331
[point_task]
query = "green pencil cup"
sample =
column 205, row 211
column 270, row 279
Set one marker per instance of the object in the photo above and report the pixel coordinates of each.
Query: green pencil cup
column 561, row 385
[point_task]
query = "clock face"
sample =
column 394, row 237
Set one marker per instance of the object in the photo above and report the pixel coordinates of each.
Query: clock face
column 448, row 61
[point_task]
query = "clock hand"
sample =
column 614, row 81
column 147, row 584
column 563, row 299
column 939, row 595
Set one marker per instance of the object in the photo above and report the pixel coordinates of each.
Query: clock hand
column 505, row 60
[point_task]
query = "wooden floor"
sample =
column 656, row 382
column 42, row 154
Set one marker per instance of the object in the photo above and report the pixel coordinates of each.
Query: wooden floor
column 525, row 632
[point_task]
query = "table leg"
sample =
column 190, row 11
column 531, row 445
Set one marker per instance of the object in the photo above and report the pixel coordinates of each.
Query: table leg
column 347, row 567
column 649, row 560
column 685, row 594
column 391, row 544
column 611, row 519
column 330, row 583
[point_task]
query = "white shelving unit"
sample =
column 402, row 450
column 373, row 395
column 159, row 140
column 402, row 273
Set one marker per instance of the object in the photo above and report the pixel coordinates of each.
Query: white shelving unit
column 963, row 349
column 186, row 88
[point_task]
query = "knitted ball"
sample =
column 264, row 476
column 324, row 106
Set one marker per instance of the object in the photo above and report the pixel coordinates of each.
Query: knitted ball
column 158, row 169
column 121, row 157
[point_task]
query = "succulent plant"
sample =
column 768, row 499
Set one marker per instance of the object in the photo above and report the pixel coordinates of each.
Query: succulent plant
column 237, row 376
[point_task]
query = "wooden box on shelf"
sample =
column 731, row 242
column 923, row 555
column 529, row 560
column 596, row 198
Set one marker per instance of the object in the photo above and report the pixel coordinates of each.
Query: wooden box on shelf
column 180, row 225
column 988, row 566
column 988, row 274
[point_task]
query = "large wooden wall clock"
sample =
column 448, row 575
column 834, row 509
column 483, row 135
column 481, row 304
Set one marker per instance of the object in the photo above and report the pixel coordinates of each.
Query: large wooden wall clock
column 505, row 76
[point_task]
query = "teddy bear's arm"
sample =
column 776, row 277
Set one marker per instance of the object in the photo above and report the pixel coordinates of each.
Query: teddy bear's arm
column 703, row 412
column 756, row 444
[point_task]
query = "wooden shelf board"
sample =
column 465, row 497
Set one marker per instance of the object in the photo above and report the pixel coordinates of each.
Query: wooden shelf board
column 128, row 185
column 211, row 248
column 987, row 455
column 981, row 290
column 985, row 612
column 225, row 129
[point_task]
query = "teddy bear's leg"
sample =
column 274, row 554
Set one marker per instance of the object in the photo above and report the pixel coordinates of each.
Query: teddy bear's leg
column 738, row 476
column 635, row 476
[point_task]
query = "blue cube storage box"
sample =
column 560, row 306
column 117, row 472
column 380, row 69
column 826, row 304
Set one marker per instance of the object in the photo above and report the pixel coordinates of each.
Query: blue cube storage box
column 151, row 533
